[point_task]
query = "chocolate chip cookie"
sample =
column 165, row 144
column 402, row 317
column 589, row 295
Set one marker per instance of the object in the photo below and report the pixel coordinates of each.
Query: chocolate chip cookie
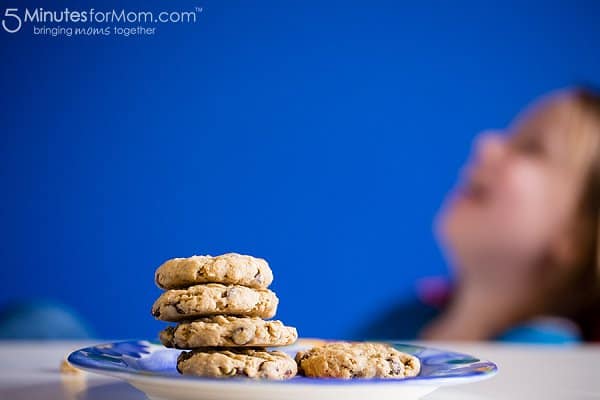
column 214, row 298
column 228, row 331
column 223, row 363
column 357, row 360
column 229, row 269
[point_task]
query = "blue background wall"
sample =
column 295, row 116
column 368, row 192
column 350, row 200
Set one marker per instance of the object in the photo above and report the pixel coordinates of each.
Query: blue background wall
column 319, row 135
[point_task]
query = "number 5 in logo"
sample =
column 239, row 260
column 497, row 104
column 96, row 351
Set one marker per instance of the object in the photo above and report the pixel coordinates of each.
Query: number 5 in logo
column 11, row 13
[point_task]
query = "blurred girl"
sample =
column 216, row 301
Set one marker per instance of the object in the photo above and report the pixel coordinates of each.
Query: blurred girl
column 522, row 228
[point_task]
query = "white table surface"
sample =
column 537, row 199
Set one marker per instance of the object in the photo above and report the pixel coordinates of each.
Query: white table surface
column 30, row 371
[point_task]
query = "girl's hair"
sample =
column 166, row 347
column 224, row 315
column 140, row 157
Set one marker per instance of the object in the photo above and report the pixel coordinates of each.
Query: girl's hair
column 585, row 310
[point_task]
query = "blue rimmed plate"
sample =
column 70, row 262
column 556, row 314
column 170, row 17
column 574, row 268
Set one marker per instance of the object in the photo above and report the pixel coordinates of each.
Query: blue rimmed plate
column 151, row 368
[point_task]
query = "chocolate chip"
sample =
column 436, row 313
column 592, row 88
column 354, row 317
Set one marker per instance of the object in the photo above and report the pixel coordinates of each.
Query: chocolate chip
column 183, row 356
column 178, row 309
column 227, row 372
column 156, row 313
column 170, row 330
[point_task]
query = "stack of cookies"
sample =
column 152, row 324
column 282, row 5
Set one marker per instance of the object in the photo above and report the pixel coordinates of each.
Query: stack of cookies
column 220, row 304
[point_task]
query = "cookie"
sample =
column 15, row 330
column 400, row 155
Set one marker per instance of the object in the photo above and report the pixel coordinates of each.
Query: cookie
column 251, row 363
column 227, row 331
column 357, row 360
column 229, row 269
column 213, row 298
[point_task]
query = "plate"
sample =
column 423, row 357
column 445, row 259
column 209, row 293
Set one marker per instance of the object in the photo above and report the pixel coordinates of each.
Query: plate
column 150, row 367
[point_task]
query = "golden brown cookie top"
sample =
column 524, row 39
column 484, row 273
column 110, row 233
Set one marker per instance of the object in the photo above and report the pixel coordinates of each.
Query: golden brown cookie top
column 223, row 363
column 212, row 299
column 230, row 269
column 228, row 331
column 357, row 360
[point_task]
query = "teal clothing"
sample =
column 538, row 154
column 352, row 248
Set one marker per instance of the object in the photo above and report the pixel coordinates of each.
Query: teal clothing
column 406, row 321
column 39, row 320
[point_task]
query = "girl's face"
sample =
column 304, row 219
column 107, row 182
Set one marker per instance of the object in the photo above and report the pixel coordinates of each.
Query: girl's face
column 516, row 196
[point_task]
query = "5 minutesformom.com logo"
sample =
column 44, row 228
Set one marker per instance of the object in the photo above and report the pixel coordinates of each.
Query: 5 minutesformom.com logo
column 11, row 13
column 13, row 19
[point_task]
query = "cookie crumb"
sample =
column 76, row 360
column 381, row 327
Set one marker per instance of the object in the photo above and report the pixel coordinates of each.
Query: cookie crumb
column 67, row 369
